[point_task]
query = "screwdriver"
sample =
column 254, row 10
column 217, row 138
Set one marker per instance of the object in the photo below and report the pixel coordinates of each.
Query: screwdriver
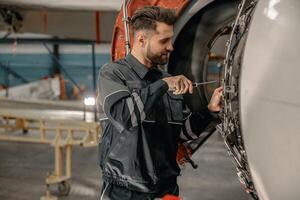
column 196, row 84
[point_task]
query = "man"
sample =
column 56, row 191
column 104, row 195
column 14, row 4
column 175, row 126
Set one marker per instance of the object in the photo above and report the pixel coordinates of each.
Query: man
column 144, row 113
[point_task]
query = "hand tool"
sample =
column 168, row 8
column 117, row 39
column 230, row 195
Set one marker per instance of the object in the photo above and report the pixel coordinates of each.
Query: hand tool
column 196, row 84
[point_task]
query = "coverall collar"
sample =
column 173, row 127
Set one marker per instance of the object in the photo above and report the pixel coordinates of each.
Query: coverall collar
column 138, row 67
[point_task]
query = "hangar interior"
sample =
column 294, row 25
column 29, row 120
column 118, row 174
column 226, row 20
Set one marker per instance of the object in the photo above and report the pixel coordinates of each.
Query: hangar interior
column 50, row 56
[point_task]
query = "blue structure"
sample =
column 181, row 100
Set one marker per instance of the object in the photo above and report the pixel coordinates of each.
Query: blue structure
column 77, row 67
column 36, row 66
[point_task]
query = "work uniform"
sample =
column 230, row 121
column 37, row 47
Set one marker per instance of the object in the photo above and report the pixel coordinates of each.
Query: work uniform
column 142, row 126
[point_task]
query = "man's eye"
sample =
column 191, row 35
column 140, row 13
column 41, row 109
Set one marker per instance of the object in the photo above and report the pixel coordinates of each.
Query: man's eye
column 164, row 41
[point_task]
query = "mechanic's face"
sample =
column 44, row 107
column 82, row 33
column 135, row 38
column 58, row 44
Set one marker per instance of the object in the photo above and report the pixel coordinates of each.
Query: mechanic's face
column 159, row 44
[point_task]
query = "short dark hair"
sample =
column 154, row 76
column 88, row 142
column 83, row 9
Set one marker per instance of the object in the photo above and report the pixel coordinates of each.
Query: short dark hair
column 145, row 18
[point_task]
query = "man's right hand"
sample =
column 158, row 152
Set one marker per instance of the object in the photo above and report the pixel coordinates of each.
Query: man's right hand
column 179, row 84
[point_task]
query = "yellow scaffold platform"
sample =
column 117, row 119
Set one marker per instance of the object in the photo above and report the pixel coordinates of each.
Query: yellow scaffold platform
column 42, row 124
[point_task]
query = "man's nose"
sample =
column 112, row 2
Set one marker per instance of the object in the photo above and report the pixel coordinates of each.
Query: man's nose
column 170, row 47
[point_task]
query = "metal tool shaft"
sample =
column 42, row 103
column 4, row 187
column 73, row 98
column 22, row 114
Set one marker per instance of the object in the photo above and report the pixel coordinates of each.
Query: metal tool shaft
column 203, row 83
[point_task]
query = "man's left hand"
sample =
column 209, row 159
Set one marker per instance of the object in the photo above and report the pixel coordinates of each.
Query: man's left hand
column 215, row 103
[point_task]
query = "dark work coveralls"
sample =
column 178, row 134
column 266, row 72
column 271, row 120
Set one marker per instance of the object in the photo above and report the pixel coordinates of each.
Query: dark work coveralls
column 142, row 126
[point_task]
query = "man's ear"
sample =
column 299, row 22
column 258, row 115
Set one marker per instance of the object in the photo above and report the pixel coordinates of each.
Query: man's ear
column 141, row 38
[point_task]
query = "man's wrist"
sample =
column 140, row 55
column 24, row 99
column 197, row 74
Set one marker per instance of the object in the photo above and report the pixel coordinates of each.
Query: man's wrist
column 164, row 80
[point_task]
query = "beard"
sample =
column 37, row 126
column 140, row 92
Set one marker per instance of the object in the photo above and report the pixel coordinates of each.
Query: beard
column 157, row 59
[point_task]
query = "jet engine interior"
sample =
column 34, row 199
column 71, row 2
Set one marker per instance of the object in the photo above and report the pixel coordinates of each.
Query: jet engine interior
column 225, row 41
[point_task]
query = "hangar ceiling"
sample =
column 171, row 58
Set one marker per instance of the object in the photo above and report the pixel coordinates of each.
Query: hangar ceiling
column 99, row 5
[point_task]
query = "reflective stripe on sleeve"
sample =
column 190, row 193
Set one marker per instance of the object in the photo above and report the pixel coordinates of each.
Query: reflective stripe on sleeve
column 131, row 111
column 182, row 136
column 140, row 105
column 188, row 129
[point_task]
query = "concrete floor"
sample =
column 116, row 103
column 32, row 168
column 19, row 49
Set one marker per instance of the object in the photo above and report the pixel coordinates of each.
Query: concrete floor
column 23, row 169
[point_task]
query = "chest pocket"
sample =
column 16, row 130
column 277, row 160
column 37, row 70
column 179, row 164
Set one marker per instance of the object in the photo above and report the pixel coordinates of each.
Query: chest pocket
column 174, row 103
